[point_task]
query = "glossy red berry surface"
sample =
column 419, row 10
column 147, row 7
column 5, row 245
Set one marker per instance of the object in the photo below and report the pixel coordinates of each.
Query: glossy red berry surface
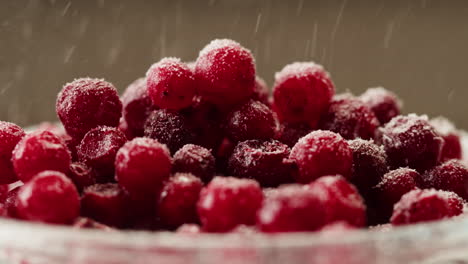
column 252, row 120
column 341, row 200
column 426, row 205
column 98, row 149
column 290, row 133
column 11, row 203
column 321, row 153
column 369, row 164
column 170, row 128
column 105, row 203
column 49, row 197
column 141, row 166
column 452, row 148
column 261, row 91
column 350, row 117
column 87, row 103
column 410, row 141
column 225, row 73
column 451, row 176
column 383, row 103
column 39, row 151
column 81, row 175
column 264, row 161
column 137, row 105
column 302, row 93
column 196, row 160
column 392, row 187
column 227, row 202
column 291, row 208
column 171, row 84
column 177, row 202
column 10, row 135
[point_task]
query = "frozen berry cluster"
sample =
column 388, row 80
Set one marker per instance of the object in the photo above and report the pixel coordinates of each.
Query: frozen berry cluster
column 204, row 147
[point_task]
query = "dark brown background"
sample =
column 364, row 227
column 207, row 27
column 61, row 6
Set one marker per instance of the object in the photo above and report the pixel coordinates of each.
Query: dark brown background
column 416, row 48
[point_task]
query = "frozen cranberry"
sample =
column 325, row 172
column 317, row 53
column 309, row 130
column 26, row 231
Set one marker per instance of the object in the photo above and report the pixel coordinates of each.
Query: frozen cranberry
column 105, row 203
column 123, row 127
column 341, row 200
column 3, row 211
column 321, row 153
column 205, row 119
column 411, row 141
column 392, row 187
column 223, row 153
column 177, row 202
column 196, row 160
column 57, row 129
column 189, row 229
column 426, row 205
column 11, row 204
column 225, row 73
column 142, row 165
column 81, row 175
column 87, row 103
column 291, row 208
column 39, row 151
column 49, row 197
column 72, row 144
column 252, row 120
column 383, row 103
column 170, row 128
column 137, row 105
column 171, row 84
column 452, row 148
column 264, row 161
column 228, row 202
column 302, row 93
column 86, row 223
column 10, row 135
column 451, row 176
column 98, row 149
column 261, row 92
column 3, row 193
column 290, row 133
column 350, row 117
column 369, row 164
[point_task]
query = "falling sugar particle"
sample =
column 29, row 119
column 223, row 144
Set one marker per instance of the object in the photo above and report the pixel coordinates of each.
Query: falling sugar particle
column 388, row 34
column 257, row 24
column 65, row 10
column 338, row 20
column 68, row 53
column 299, row 7
column 314, row 39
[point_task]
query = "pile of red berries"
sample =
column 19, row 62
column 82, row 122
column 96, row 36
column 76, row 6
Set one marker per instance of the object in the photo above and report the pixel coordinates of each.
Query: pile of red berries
column 203, row 147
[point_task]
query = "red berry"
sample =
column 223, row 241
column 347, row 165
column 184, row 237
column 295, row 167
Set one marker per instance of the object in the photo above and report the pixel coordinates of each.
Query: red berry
column 10, row 135
column 290, row 133
column 196, row 160
column 54, row 128
column 350, row 117
column 225, row 73
column 452, row 148
column 410, row 141
column 261, row 92
column 369, row 164
column 170, row 128
column 11, row 203
column 451, row 176
column 302, row 93
column 426, row 205
column 291, row 208
column 40, row 151
column 81, row 175
column 141, row 166
column 86, row 223
column 87, row 103
column 177, row 202
column 105, row 203
column 3, row 193
column 341, row 200
column 321, row 153
column 171, row 84
column 223, row 153
column 228, row 202
column 252, row 120
column 49, row 197
column 137, row 105
column 383, row 103
column 392, row 187
column 264, row 161
column 98, row 149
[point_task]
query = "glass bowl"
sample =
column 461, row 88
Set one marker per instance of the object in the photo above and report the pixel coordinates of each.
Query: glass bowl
column 435, row 242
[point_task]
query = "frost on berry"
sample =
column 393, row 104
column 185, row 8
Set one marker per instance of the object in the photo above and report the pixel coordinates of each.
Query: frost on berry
column 87, row 103
column 196, row 160
column 383, row 103
column 302, row 93
column 261, row 92
column 290, row 133
column 81, row 175
column 452, row 148
column 10, row 135
column 451, row 175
